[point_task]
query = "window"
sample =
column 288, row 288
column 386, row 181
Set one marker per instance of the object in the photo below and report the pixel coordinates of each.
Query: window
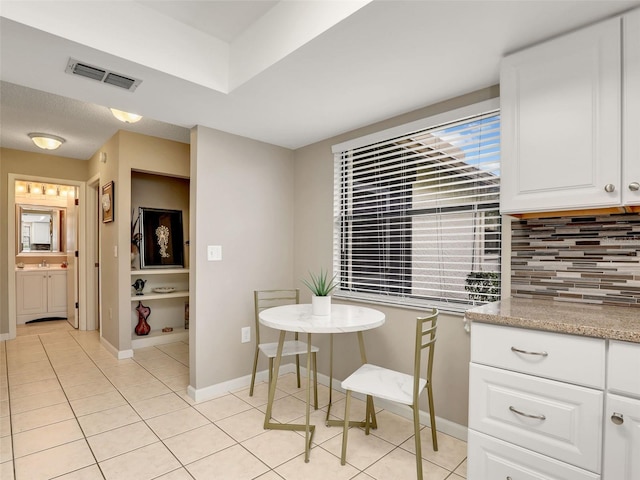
column 417, row 212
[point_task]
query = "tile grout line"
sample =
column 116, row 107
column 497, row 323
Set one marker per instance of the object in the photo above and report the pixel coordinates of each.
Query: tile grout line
column 75, row 416
column 102, row 367
column 13, row 450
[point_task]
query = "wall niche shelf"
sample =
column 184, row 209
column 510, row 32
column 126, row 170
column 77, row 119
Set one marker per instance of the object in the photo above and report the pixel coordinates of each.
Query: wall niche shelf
column 157, row 191
column 158, row 337
column 167, row 309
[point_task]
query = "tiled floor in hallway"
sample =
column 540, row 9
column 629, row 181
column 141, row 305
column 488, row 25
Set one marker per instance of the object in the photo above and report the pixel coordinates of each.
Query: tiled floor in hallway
column 70, row 410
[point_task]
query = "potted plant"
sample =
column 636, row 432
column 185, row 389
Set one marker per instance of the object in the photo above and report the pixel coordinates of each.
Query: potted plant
column 321, row 287
column 483, row 287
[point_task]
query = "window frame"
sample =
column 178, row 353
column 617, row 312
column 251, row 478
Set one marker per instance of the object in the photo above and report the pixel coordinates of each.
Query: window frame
column 405, row 301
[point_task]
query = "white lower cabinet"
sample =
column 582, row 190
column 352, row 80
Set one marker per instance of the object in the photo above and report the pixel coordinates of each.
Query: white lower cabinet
column 528, row 418
column 531, row 418
column 495, row 459
column 41, row 294
column 622, row 413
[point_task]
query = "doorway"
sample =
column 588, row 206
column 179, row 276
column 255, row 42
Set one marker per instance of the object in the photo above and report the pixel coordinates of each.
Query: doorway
column 13, row 226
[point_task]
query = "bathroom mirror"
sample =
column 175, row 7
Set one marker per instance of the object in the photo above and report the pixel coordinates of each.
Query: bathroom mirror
column 40, row 229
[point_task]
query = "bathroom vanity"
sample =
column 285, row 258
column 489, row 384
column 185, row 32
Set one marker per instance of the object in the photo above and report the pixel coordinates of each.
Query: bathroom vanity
column 41, row 292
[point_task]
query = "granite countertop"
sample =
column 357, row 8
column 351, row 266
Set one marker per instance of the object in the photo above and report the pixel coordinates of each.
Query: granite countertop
column 601, row 321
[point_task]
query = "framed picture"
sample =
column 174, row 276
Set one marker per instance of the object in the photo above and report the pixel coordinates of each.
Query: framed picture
column 162, row 243
column 107, row 202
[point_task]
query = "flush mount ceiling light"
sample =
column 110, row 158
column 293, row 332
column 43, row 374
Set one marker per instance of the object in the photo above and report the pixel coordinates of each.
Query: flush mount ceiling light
column 46, row 141
column 125, row 117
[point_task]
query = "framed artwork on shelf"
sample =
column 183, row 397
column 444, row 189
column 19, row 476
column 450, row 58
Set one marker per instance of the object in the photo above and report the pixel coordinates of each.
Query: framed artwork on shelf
column 107, row 202
column 162, row 243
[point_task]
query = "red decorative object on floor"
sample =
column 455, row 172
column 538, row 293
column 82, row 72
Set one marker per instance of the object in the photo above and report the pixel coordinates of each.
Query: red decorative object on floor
column 142, row 328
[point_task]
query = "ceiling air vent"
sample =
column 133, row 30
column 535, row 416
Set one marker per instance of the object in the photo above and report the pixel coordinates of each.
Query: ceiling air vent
column 76, row 67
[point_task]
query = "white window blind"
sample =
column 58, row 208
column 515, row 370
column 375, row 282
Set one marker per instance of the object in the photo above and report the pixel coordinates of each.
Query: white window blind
column 416, row 216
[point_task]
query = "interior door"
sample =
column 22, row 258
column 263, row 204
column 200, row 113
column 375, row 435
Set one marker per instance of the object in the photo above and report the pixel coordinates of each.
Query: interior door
column 72, row 260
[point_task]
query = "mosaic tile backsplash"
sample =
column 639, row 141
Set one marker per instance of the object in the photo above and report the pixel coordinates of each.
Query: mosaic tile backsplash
column 577, row 259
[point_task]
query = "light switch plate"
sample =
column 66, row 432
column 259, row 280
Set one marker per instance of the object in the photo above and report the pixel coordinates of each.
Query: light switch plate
column 214, row 253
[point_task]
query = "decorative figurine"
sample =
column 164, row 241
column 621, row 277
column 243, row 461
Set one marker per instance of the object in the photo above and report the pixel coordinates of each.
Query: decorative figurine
column 139, row 286
column 143, row 327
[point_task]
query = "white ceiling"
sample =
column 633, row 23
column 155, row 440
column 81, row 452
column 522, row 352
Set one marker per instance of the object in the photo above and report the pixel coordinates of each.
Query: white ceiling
column 289, row 73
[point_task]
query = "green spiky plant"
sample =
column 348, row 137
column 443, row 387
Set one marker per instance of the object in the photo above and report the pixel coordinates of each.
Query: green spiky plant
column 320, row 285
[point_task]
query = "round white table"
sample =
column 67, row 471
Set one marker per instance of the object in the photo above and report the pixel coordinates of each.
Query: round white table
column 298, row 318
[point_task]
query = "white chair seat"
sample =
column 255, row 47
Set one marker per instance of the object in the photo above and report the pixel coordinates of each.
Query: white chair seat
column 398, row 387
column 382, row 383
column 290, row 347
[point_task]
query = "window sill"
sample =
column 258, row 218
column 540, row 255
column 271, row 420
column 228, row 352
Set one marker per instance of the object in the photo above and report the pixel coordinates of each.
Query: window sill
column 413, row 304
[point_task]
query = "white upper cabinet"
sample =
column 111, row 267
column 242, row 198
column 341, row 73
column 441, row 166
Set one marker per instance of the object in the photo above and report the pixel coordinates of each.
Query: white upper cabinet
column 561, row 122
column 631, row 109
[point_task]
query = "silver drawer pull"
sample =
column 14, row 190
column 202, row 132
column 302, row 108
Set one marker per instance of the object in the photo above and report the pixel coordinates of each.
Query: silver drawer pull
column 528, row 415
column 517, row 350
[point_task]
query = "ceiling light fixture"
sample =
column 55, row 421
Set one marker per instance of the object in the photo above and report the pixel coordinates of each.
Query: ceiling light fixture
column 46, row 141
column 125, row 117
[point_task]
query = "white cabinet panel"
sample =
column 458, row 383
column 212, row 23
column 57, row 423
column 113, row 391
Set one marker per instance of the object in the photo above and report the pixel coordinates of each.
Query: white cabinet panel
column 561, row 110
column 31, row 293
column 622, row 440
column 57, row 292
column 552, row 418
column 568, row 358
column 623, row 370
column 490, row 458
column 631, row 109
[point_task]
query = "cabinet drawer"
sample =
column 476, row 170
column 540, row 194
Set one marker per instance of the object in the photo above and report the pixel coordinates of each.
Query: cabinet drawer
column 490, row 458
column 567, row 358
column 552, row 418
column 623, row 371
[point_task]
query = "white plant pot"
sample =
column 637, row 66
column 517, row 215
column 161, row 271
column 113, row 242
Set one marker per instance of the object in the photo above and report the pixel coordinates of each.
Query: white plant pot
column 321, row 306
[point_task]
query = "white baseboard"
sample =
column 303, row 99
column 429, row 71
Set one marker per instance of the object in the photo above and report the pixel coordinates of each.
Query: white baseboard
column 223, row 388
column 119, row 354
column 5, row 336
column 443, row 425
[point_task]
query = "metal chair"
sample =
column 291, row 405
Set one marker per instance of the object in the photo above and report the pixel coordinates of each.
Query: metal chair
column 264, row 299
column 380, row 382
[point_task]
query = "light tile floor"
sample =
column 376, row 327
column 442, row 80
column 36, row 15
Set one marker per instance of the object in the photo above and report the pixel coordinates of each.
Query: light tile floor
column 70, row 410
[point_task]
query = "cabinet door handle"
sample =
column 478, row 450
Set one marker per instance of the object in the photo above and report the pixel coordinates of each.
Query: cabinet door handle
column 634, row 186
column 609, row 187
column 617, row 418
column 528, row 415
column 517, row 350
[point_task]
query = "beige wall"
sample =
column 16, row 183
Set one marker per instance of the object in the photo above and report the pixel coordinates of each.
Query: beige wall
column 388, row 345
column 125, row 152
column 242, row 199
column 32, row 164
column 161, row 191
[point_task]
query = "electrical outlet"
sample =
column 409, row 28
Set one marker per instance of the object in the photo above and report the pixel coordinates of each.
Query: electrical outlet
column 245, row 334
